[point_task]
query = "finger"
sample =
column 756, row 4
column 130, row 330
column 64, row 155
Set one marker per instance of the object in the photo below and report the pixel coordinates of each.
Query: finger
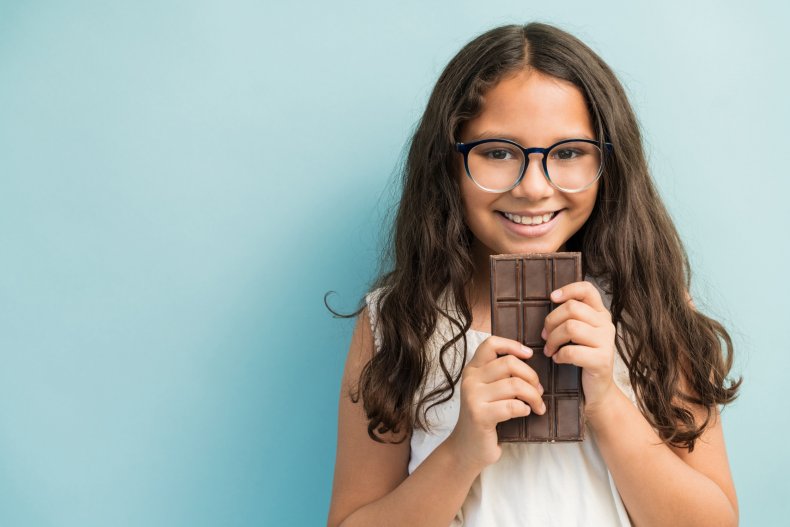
column 492, row 347
column 508, row 409
column 573, row 309
column 583, row 291
column 511, row 387
column 581, row 356
column 570, row 331
column 508, row 366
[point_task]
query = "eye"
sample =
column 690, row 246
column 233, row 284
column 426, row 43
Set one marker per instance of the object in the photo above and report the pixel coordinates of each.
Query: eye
column 565, row 154
column 497, row 152
column 574, row 151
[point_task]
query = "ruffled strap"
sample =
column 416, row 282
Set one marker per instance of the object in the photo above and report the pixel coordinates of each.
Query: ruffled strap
column 372, row 303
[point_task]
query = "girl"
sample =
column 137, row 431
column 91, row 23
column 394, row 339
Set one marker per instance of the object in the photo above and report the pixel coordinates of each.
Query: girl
column 528, row 144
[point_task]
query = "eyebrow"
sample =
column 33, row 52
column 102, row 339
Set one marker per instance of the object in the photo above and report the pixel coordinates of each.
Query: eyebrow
column 499, row 135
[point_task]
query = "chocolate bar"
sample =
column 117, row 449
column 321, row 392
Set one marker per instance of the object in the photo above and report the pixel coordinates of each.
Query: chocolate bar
column 520, row 289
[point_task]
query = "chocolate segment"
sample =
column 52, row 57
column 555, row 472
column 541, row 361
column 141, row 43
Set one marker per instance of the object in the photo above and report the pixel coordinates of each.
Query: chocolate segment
column 507, row 288
column 520, row 289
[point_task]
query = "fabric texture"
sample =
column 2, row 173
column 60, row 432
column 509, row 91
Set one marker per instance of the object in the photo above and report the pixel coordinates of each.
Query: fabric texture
column 541, row 484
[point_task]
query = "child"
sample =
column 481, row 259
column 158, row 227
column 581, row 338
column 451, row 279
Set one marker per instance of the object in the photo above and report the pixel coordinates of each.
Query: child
column 528, row 144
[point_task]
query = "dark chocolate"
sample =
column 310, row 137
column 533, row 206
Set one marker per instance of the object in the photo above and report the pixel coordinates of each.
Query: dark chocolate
column 520, row 289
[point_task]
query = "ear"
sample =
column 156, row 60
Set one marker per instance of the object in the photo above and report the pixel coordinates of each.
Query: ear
column 690, row 301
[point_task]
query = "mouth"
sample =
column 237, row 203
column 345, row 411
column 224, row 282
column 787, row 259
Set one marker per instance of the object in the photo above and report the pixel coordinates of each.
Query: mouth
column 529, row 220
column 529, row 226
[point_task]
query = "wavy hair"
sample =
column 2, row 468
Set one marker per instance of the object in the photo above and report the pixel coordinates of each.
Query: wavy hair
column 629, row 243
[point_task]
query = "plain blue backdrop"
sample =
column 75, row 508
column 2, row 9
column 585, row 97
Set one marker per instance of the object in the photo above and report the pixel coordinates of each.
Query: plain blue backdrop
column 182, row 181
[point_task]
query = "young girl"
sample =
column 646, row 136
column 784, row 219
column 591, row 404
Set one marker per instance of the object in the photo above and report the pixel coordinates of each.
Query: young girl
column 528, row 144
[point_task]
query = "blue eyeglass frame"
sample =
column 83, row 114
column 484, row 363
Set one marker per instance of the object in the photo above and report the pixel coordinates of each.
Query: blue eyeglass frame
column 464, row 149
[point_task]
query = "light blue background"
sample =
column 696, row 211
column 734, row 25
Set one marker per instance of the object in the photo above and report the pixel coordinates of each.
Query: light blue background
column 181, row 182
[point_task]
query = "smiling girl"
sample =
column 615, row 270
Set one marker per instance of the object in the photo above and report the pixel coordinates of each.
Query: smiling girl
column 528, row 145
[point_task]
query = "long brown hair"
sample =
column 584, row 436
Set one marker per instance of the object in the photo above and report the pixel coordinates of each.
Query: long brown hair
column 629, row 243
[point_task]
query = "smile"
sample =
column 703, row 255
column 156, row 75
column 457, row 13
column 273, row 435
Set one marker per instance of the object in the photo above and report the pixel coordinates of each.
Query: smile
column 530, row 220
column 539, row 226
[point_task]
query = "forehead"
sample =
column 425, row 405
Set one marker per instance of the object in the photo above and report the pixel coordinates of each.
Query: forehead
column 532, row 108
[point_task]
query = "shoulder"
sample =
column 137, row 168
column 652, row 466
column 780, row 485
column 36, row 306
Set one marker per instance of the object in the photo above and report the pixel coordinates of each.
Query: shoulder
column 365, row 470
column 374, row 296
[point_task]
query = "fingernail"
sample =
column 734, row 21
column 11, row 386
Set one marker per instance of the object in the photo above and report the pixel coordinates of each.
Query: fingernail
column 543, row 408
column 526, row 350
column 556, row 295
column 543, row 334
column 540, row 388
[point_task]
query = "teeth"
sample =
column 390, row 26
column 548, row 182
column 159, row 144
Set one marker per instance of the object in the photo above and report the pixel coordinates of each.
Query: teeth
column 526, row 220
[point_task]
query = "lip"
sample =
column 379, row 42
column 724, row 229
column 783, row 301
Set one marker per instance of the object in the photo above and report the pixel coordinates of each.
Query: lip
column 529, row 213
column 529, row 231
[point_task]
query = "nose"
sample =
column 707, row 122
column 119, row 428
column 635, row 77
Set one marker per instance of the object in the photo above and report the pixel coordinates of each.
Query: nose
column 533, row 186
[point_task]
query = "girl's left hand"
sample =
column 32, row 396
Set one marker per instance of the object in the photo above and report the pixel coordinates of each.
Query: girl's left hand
column 584, row 321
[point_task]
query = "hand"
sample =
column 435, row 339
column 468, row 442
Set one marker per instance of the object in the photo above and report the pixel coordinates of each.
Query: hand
column 493, row 389
column 583, row 321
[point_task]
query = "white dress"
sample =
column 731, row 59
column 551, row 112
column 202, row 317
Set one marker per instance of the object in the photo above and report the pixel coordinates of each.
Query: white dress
column 532, row 484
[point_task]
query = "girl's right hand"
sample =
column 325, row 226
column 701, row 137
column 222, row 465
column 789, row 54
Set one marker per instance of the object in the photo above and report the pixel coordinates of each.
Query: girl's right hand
column 488, row 386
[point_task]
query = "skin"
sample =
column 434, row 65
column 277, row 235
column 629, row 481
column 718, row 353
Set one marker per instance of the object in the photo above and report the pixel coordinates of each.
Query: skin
column 659, row 485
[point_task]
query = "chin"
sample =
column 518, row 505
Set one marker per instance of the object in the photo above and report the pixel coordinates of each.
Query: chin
column 531, row 248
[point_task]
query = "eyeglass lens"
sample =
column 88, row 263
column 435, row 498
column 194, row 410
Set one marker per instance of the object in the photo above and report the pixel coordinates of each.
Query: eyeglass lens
column 571, row 166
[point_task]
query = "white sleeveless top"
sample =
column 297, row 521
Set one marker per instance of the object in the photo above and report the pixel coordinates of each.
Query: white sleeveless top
column 532, row 484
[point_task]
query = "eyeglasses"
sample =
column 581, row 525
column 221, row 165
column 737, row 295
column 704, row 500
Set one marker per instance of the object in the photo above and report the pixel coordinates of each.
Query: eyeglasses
column 499, row 165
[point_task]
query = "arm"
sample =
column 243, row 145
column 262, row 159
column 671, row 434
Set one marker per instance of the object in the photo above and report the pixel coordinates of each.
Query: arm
column 371, row 484
column 659, row 485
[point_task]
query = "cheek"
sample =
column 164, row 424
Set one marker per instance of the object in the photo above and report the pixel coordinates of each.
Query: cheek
column 467, row 194
column 585, row 202
column 462, row 180
column 474, row 206
column 475, row 203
